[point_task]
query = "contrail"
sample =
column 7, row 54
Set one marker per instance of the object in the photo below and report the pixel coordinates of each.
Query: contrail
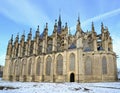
column 99, row 17
column 102, row 16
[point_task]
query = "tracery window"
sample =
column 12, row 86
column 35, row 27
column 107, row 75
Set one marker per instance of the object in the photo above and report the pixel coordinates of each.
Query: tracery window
column 38, row 65
column 104, row 65
column 72, row 62
column 48, row 65
column 88, row 66
column 29, row 66
column 59, row 65
column 23, row 67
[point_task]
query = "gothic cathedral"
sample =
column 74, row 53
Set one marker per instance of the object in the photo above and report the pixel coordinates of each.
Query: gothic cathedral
column 61, row 57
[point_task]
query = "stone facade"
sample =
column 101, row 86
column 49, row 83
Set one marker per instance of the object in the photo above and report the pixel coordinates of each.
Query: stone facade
column 61, row 57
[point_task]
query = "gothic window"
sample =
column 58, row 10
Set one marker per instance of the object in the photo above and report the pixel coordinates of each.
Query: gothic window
column 88, row 66
column 16, row 68
column 24, row 67
column 104, row 65
column 38, row 65
column 59, row 65
column 11, row 68
column 72, row 62
column 15, row 65
column 48, row 65
column 29, row 66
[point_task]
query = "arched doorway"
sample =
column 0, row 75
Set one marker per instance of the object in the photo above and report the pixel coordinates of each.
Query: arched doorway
column 72, row 77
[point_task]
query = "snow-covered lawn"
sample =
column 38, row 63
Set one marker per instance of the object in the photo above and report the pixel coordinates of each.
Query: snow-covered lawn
column 34, row 87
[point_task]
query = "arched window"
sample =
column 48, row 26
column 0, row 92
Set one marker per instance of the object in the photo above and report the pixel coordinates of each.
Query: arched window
column 72, row 62
column 38, row 65
column 16, row 68
column 59, row 65
column 104, row 65
column 48, row 65
column 11, row 68
column 23, row 67
column 88, row 66
column 29, row 66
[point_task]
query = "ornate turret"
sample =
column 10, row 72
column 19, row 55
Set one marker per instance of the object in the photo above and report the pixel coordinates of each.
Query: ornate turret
column 23, row 36
column 55, row 27
column 102, row 27
column 9, row 47
column 37, row 32
column 30, row 34
column 93, row 29
column 17, row 38
column 78, row 27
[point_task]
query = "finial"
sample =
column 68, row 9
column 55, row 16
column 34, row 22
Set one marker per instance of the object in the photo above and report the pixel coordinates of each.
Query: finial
column 38, row 28
column 92, row 26
column 46, row 25
column 66, row 25
column 30, row 30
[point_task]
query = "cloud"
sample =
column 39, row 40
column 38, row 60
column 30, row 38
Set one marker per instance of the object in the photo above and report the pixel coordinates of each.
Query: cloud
column 103, row 16
column 22, row 11
column 99, row 17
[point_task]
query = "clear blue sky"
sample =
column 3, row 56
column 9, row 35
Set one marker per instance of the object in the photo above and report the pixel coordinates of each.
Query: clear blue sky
column 19, row 15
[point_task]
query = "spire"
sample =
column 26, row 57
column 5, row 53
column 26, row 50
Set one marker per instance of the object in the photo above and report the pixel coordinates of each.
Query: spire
column 66, row 25
column 11, row 40
column 46, row 26
column 78, row 28
column 30, row 34
column 79, row 19
column 17, row 38
column 55, row 26
column 23, row 36
column 93, row 27
column 102, row 27
column 38, row 28
column 59, row 23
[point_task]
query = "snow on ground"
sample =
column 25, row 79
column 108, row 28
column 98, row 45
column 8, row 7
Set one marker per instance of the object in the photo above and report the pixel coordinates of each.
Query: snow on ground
column 35, row 87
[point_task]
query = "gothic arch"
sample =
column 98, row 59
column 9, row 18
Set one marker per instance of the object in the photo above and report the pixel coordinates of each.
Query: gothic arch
column 48, row 65
column 23, row 67
column 88, row 66
column 16, row 67
column 38, row 66
column 72, row 62
column 30, row 66
column 104, row 65
column 11, row 68
column 59, row 65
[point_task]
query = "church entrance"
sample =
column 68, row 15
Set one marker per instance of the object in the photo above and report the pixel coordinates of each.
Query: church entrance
column 72, row 77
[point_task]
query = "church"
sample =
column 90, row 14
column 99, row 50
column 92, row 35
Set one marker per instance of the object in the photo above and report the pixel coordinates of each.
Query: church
column 61, row 57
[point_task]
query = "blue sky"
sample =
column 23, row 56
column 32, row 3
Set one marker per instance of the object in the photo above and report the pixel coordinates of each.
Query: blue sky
column 19, row 15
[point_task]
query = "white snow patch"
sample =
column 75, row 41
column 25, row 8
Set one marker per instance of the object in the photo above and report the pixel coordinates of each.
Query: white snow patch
column 35, row 87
